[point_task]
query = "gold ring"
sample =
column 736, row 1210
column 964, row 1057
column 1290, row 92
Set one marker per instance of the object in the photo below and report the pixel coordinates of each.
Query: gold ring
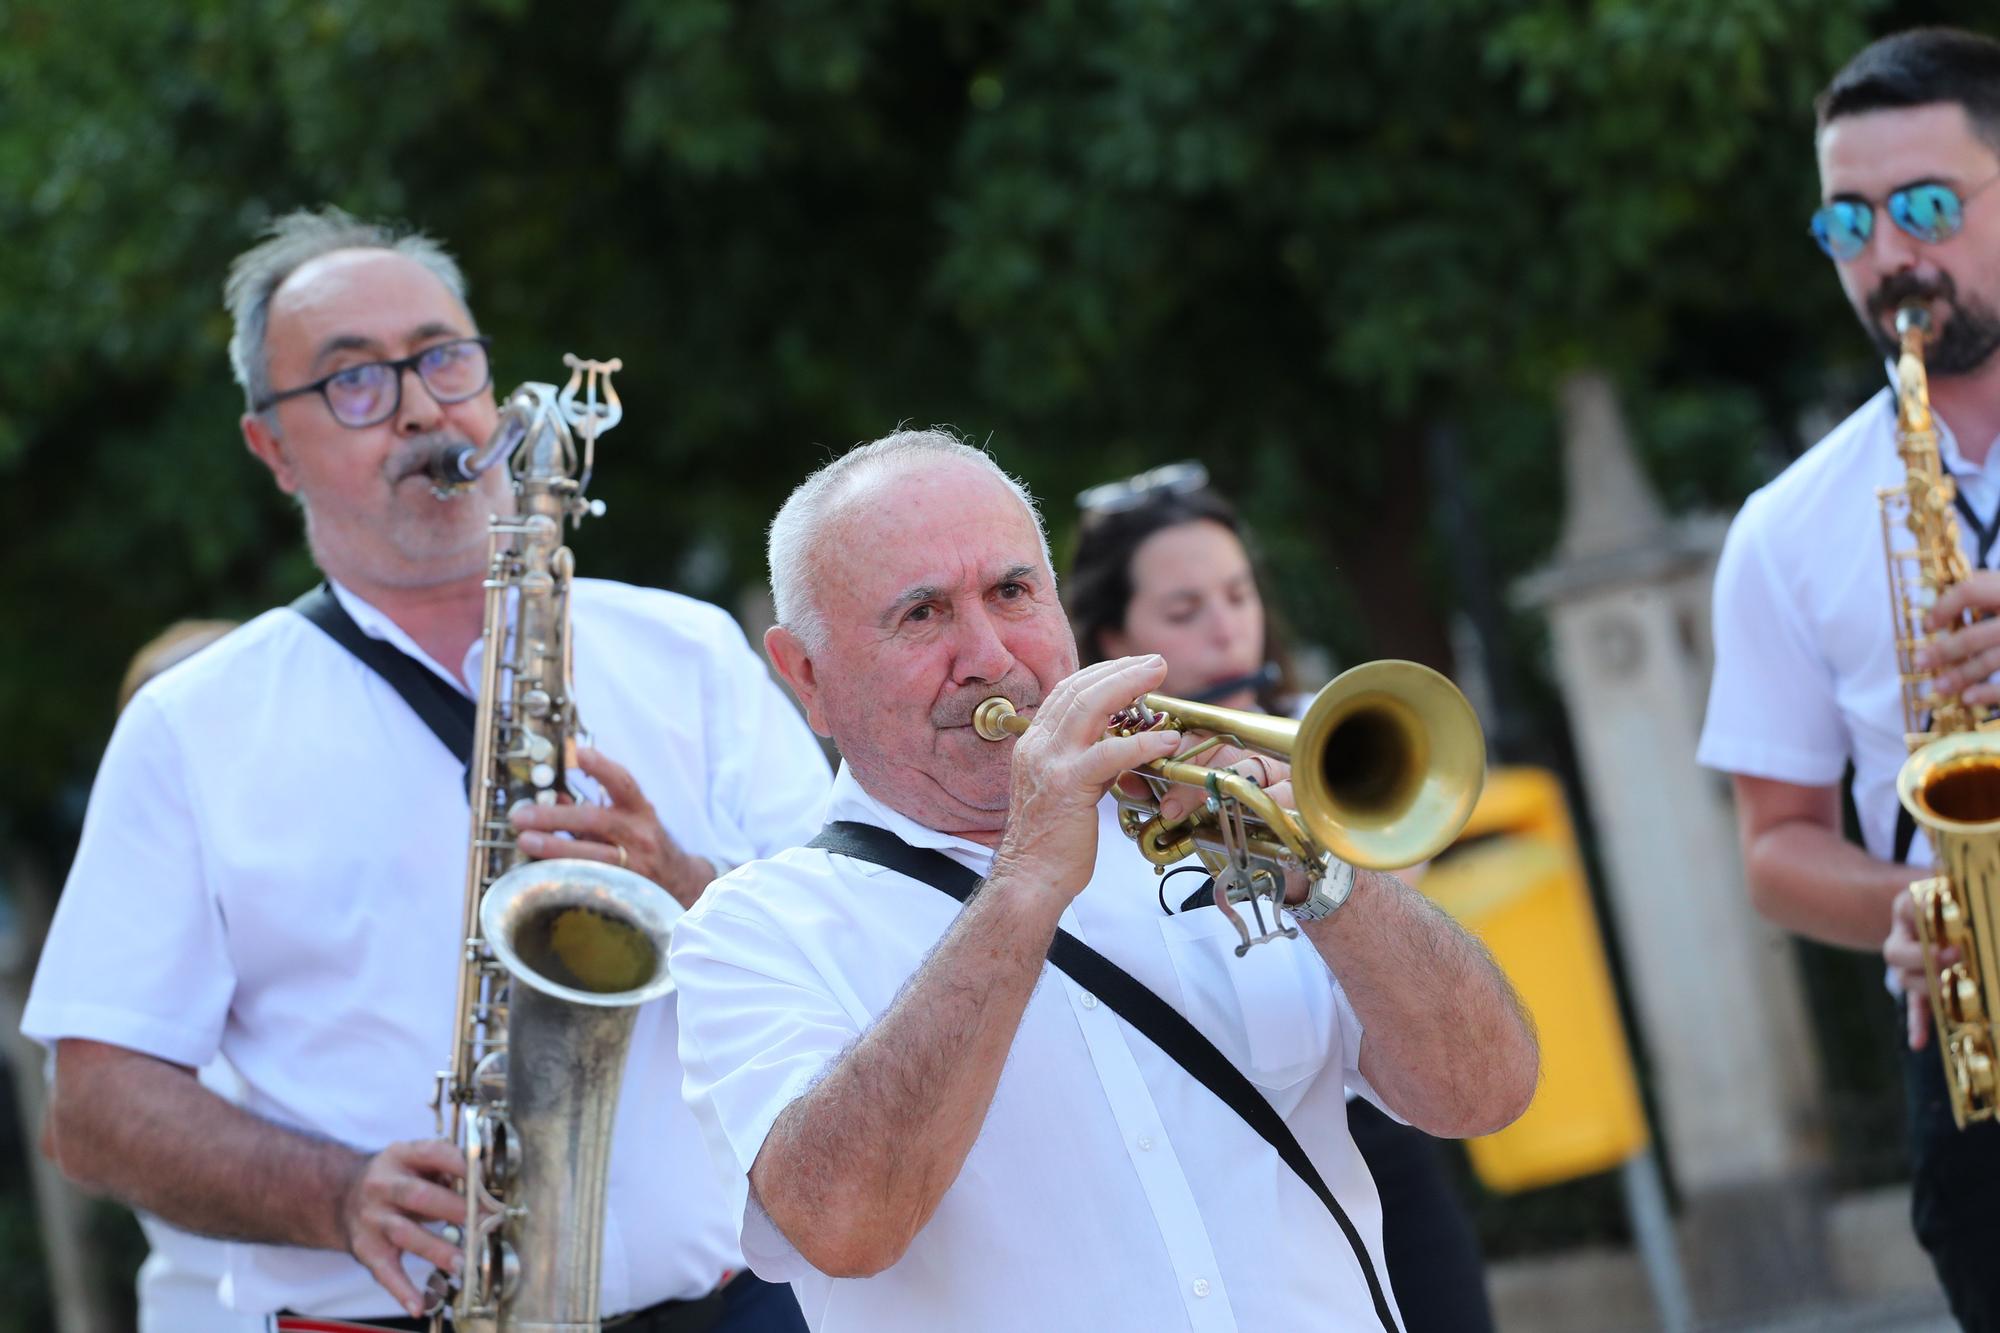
column 622, row 860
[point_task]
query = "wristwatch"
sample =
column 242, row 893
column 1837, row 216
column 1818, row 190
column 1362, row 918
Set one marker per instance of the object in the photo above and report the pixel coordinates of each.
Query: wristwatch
column 1329, row 891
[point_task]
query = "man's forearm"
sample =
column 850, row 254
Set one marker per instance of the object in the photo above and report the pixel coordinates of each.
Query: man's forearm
column 149, row 1134
column 1445, row 1039
column 1812, row 880
column 853, row 1170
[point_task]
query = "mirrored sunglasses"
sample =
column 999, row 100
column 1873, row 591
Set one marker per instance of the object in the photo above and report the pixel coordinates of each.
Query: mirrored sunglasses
column 1930, row 212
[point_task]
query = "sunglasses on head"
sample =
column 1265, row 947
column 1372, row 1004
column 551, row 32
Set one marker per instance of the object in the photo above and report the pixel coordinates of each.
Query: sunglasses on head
column 1115, row 497
column 1931, row 212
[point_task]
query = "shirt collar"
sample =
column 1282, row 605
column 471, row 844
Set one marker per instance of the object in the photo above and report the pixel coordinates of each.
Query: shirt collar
column 850, row 800
column 376, row 624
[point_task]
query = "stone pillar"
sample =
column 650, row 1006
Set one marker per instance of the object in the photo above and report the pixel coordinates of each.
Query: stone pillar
column 1716, row 988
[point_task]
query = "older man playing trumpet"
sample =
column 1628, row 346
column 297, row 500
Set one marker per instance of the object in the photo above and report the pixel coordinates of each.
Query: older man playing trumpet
column 922, row 1131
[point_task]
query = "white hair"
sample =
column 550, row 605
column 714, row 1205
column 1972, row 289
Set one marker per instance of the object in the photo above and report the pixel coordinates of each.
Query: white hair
column 797, row 531
column 288, row 244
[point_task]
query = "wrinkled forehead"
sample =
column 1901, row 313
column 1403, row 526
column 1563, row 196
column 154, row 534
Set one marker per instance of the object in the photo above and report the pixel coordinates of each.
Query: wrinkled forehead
column 948, row 526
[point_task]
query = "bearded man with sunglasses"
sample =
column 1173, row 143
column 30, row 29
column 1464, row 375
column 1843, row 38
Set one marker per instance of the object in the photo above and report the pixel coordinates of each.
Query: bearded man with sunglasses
column 273, row 861
column 1806, row 676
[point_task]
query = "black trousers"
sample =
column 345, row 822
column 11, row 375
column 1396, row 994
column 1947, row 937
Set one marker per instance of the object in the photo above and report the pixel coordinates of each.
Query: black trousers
column 747, row 1305
column 1433, row 1255
column 752, row 1305
column 1955, row 1174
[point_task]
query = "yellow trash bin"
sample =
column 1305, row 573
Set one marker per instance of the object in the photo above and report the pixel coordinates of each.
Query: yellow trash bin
column 1514, row 879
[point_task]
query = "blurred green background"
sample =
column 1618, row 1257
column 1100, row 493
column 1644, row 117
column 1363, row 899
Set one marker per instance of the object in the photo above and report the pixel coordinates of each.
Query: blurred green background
column 1292, row 238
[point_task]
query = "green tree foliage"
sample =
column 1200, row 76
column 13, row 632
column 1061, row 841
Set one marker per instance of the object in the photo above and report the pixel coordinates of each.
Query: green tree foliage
column 1277, row 234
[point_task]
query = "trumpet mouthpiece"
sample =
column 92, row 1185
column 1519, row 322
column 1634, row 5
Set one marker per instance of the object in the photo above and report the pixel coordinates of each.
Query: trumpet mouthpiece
column 992, row 717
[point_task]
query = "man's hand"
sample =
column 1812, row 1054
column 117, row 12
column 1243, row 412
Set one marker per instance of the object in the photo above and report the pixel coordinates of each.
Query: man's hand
column 625, row 833
column 1062, row 766
column 1963, row 659
column 1903, row 951
column 386, row 1203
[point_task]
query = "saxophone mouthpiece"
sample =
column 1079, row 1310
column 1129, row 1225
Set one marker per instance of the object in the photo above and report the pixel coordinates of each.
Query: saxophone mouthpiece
column 450, row 470
column 1916, row 316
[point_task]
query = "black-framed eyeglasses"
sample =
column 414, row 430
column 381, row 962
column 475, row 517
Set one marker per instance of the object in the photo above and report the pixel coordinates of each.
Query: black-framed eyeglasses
column 1115, row 497
column 372, row 392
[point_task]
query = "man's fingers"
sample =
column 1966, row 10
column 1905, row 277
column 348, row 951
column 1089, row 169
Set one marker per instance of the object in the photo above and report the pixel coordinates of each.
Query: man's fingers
column 385, row 1263
column 1097, row 699
column 1061, row 711
column 593, row 821
column 432, row 1156
column 614, row 777
column 1113, row 755
column 425, row 1244
column 413, row 1196
column 577, row 849
column 1979, row 591
column 1919, row 1021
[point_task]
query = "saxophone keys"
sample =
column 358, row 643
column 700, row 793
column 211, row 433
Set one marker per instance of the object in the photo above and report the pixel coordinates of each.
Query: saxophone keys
column 1960, row 993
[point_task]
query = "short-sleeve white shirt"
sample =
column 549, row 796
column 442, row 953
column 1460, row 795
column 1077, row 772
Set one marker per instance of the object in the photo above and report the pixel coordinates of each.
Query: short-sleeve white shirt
column 272, row 868
column 1108, row 1190
column 1805, row 658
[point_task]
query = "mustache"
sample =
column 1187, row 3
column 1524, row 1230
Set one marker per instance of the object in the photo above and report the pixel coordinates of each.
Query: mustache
column 1898, row 288
column 420, row 454
column 1022, row 692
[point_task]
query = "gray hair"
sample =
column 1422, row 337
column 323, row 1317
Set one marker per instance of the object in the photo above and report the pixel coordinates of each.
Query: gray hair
column 796, row 532
column 290, row 242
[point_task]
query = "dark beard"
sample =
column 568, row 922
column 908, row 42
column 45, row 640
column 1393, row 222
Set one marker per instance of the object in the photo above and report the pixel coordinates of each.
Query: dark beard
column 1971, row 327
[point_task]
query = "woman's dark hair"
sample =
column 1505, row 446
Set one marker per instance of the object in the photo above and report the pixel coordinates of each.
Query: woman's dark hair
column 1098, row 588
column 1919, row 68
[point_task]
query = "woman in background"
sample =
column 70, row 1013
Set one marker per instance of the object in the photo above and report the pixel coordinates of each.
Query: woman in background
column 1162, row 566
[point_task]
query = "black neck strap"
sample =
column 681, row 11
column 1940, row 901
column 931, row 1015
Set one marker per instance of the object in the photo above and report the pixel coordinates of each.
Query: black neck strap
column 1153, row 1018
column 1986, row 531
column 449, row 714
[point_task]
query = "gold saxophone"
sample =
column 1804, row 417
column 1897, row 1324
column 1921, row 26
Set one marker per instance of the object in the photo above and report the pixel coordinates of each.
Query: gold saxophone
column 557, row 954
column 1951, row 782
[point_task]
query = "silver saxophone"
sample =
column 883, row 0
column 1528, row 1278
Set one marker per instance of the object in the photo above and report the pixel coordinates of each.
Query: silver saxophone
column 558, row 954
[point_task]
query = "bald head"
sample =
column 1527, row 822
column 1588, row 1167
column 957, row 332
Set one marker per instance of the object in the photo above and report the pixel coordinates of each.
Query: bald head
column 809, row 527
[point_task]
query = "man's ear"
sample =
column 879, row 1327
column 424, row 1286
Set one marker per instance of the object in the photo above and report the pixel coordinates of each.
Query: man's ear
column 262, row 441
column 788, row 654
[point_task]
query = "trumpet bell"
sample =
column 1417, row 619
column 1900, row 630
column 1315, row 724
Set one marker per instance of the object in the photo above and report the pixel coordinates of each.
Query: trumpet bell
column 1387, row 764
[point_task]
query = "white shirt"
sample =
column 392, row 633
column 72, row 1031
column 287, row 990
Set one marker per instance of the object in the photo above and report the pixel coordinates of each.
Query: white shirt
column 1805, row 656
column 273, row 866
column 1108, row 1190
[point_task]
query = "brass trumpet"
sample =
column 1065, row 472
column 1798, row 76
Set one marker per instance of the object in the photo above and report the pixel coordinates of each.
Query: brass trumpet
column 1387, row 763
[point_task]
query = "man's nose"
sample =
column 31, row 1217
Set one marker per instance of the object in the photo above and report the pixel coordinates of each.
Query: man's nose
column 981, row 652
column 418, row 413
column 1894, row 250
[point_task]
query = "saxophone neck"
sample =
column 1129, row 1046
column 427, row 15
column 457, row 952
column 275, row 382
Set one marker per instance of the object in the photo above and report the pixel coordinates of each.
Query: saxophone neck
column 1913, row 392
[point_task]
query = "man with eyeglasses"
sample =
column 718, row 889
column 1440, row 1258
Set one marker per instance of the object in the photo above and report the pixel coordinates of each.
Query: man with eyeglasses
column 273, row 862
column 1806, row 675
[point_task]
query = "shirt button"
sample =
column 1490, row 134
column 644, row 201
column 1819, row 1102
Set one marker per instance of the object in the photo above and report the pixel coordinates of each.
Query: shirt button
column 1145, row 1143
column 1089, row 1000
column 1201, row 1286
